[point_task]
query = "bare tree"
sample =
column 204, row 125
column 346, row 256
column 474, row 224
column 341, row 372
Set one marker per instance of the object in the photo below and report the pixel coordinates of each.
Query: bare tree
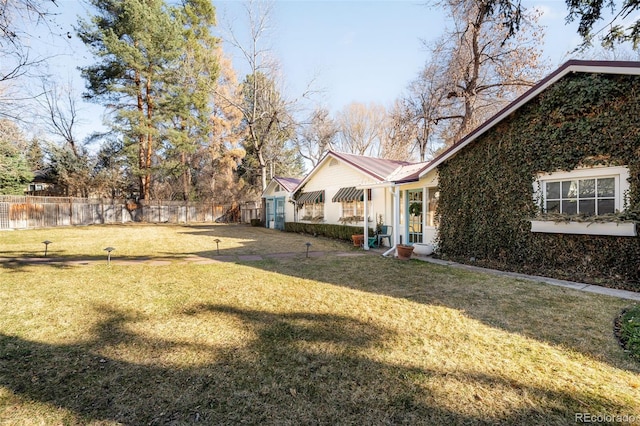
column 398, row 133
column 317, row 136
column 423, row 102
column 17, row 17
column 361, row 128
column 483, row 65
column 59, row 113
column 14, row 15
column 266, row 113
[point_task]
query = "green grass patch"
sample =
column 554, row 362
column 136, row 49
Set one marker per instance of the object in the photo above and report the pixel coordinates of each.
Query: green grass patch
column 629, row 330
column 291, row 340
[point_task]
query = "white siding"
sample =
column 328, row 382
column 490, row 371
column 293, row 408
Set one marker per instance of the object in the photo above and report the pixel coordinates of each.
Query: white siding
column 333, row 175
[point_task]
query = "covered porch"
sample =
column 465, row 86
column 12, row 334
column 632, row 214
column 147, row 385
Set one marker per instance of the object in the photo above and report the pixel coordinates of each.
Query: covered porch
column 412, row 215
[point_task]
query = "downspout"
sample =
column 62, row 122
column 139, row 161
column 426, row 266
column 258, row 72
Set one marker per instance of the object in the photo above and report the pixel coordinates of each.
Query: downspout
column 365, row 244
column 395, row 191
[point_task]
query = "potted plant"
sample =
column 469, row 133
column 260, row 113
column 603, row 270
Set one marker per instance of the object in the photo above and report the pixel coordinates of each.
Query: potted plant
column 404, row 251
column 358, row 239
column 379, row 225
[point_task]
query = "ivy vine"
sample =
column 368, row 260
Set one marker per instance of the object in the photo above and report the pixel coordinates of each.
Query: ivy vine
column 486, row 190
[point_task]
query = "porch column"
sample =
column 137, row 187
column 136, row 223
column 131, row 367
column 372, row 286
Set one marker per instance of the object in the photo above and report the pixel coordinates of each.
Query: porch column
column 366, row 220
column 425, row 201
column 396, row 216
column 395, row 193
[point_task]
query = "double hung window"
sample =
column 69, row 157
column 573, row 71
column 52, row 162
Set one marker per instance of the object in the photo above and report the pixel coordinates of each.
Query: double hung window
column 590, row 192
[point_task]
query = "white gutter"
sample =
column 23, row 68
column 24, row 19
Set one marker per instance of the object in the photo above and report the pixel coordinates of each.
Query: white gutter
column 383, row 184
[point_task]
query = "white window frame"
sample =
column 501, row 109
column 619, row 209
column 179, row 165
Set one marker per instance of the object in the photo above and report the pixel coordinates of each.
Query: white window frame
column 621, row 179
column 313, row 210
column 619, row 173
column 352, row 208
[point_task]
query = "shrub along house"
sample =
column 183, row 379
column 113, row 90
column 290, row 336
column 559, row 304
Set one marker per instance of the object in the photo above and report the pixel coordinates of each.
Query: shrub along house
column 551, row 184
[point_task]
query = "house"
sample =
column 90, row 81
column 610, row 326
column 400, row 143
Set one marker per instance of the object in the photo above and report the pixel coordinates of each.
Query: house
column 278, row 202
column 550, row 185
column 347, row 188
column 42, row 185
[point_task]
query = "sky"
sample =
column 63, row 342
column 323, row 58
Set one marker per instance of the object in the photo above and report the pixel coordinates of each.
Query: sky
column 369, row 51
column 349, row 51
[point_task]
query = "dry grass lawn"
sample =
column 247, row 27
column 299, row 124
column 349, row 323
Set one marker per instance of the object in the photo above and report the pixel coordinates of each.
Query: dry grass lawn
column 322, row 340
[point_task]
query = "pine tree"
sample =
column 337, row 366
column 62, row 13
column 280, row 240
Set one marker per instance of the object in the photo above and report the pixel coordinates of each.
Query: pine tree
column 14, row 170
column 138, row 43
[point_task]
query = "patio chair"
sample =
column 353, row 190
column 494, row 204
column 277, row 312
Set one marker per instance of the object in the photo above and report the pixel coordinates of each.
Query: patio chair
column 385, row 232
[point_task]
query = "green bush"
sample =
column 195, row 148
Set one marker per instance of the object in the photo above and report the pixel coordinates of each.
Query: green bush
column 256, row 222
column 629, row 331
column 339, row 232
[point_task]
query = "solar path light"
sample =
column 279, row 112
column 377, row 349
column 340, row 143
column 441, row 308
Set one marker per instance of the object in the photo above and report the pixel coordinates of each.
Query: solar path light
column 46, row 246
column 308, row 245
column 217, row 241
column 109, row 250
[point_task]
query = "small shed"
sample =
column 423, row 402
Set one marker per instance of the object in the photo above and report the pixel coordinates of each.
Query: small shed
column 278, row 203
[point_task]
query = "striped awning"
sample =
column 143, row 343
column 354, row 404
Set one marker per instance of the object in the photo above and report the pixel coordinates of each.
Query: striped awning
column 310, row 197
column 349, row 193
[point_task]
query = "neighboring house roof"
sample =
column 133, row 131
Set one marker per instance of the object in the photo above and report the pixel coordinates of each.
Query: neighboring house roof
column 42, row 176
column 378, row 169
column 600, row 67
column 288, row 183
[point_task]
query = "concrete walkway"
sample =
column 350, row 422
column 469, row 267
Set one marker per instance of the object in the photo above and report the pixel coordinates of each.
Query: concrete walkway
column 590, row 288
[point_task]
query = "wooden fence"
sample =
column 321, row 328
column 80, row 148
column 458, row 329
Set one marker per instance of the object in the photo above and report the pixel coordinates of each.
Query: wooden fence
column 27, row 212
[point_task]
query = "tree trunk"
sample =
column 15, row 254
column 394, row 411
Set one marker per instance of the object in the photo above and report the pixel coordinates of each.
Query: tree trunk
column 186, row 177
column 141, row 139
column 149, row 140
column 263, row 169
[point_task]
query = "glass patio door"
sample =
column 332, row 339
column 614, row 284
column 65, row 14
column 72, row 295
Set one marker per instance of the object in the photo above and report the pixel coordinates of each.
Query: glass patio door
column 269, row 216
column 414, row 218
column 279, row 216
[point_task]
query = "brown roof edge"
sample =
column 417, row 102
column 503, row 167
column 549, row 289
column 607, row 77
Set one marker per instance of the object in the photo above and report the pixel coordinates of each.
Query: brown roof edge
column 598, row 66
column 373, row 173
column 290, row 183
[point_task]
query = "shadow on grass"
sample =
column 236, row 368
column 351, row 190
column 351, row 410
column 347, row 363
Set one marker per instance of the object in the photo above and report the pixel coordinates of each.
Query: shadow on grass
column 558, row 316
column 299, row 368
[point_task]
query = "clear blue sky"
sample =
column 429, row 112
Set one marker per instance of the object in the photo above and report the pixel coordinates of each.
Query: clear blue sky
column 358, row 51
column 368, row 51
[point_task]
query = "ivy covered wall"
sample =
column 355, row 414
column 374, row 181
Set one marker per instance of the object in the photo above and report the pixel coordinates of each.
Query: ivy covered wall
column 486, row 190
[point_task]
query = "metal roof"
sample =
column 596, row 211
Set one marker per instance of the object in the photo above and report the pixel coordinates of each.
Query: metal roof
column 288, row 183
